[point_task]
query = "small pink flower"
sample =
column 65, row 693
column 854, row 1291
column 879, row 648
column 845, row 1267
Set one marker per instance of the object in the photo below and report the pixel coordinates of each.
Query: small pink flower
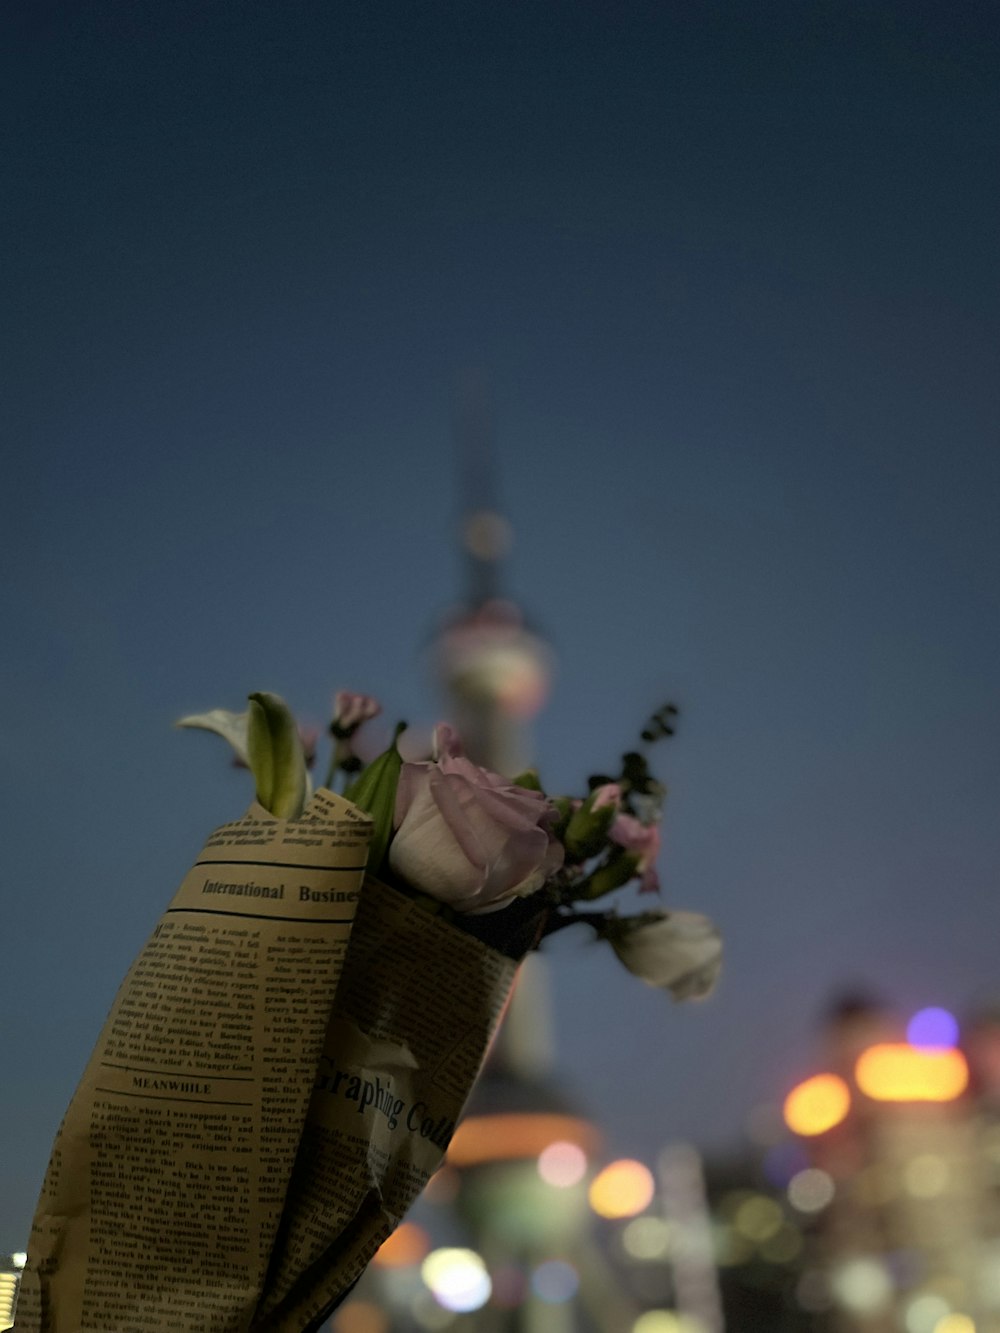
column 447, row 742
column 643, row 841
column 350, row 710
column 608, row 794
column 469, row 837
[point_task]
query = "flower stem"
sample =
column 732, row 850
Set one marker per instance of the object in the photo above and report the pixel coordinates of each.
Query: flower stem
column 560, row 920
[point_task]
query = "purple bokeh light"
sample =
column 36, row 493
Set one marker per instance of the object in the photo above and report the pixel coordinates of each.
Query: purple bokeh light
column 932, row 1027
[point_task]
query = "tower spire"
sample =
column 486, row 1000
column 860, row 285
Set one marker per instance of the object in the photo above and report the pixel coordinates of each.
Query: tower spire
column 484, row 533
column 494, row 668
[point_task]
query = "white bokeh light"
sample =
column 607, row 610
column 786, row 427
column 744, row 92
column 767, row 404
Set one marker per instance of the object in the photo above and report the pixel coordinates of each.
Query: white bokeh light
column 457, row 1278
column 562, row 1164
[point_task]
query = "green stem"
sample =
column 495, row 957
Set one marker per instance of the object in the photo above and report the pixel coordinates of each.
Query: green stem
column 559, row 921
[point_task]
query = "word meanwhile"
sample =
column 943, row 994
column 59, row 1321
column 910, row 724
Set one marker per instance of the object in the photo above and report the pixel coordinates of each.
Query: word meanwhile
column 169, row 1084
column 277, row 891
column 419, row 1119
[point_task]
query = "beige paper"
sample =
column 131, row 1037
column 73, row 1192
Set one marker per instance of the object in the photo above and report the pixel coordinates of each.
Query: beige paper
column 169, row 1174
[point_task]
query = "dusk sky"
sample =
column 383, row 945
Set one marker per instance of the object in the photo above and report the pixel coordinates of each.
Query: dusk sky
column 731, row 273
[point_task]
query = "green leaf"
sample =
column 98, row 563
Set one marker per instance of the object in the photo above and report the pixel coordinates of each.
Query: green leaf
column 375, row 793
column 620, row 867
column 528, row 780
column 587, row 830
column 564, row 809
column 232, row 727
column 276, row 757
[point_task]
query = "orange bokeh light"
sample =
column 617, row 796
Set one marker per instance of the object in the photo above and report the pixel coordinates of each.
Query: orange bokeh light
column 407, row 1245
column 622, row 1189
column 896, row 1072
column 817, row 1104
column 360, row 1317
column 496, row 1138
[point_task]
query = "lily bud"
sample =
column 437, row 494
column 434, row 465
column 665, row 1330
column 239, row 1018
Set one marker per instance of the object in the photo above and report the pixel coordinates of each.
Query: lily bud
column 276, row 757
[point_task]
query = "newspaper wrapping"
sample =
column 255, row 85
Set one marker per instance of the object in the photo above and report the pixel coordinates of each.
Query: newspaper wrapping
column 278, row 1077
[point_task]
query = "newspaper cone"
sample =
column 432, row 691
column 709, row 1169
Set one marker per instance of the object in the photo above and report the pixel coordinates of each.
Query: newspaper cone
column 168, row 1177
column 278, row 1078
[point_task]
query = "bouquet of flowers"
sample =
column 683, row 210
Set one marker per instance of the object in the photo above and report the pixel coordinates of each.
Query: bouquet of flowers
column 286, row 1060
column 452, row 833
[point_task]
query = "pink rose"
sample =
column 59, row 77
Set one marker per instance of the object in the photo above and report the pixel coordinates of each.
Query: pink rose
column 468, row 836
column 643, row 841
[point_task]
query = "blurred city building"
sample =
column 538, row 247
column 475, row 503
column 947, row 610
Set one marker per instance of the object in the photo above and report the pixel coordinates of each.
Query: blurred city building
column 10, row 1279
column 899, row 1173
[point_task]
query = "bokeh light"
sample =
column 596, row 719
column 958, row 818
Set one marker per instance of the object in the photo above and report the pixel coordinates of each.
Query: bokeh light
column 457, row 1278
column 508, row 1136
column 647, row 1238
column 933, row 1028
column 863, row 1286
column 406, row 1246
column 360, row 1317
column 811, row 1190
column 622, row 1189
column 817, row 1105
column 894, row 1072
column 667, row 1321
column 925, row 1312
column 562, row 1164
column 758, row 1218
column 555, row 1282
column 955, row 1323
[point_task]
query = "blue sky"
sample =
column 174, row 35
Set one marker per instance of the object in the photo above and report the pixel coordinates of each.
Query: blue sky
column 731, row 274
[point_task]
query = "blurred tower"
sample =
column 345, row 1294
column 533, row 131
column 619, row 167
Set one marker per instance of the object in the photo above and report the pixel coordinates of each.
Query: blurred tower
column 495, row 671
